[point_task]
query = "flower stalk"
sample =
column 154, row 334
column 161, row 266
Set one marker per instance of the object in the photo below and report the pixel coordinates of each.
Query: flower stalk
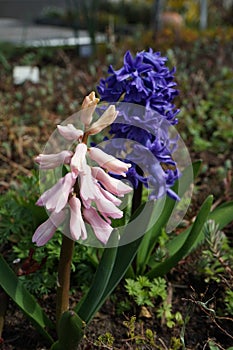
column 63, row 281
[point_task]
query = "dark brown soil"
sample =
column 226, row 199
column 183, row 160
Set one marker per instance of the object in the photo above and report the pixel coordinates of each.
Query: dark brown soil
column 188, row 293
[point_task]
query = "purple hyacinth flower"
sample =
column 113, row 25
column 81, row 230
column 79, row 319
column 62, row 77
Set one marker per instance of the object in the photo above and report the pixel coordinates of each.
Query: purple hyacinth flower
column 145, row 80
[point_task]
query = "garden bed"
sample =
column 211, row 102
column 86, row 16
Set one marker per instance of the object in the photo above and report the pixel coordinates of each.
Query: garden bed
column 30, row 113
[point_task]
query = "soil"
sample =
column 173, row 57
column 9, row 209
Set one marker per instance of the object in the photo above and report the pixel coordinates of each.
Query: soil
column 188, row 293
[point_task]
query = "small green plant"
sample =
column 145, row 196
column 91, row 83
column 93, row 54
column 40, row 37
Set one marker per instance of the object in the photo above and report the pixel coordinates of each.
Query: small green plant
column 229, row 301
column 216, row 254
column 131, row 326
column 105, row 341
column 214, row 346
column 146, row 337
column 122, row 306
column 153, row 293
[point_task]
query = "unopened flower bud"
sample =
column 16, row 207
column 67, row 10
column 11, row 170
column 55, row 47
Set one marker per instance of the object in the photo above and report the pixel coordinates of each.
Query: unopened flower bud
column 88, row 108
column 105, row 120
column 69, row 132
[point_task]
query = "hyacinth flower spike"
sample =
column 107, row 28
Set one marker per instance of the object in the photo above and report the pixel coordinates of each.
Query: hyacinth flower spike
column 86, row 192
column 80, row 200
column 145, row 80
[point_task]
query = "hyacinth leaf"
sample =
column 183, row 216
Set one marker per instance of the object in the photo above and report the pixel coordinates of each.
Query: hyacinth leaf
column 222, row 215
column 112, row 267
column 125, row 255
column 150, row 238
column 11, row 284
column 193, row 235
column 87, row 307
column 70, row 331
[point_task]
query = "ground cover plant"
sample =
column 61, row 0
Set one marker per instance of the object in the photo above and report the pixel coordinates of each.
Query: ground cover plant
column 157, row 306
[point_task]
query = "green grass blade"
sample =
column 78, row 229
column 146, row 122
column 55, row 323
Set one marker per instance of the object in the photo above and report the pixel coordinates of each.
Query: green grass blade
column 25, row 301
column 163, row 268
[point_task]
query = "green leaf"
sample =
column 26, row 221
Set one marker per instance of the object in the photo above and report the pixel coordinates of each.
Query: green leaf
column 112, row 267
column 223, row 214
column 150, row 238
column 70, row 331
column 193, row 234
column 27, row 303
column 124, row 257
column 126, row 252
column 88, row 306
column 213, row 346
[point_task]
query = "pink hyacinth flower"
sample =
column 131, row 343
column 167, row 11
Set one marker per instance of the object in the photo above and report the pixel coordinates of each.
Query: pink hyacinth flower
column 107, row 209
column 56, row 197
column 88, row 108
column 112, row 185
column 46, row 230
column 78, row 162
column 101, row 228
column 108, row 162
column 109, row 196
column 77, row 226
column 105, row 120
column 51, row 161
column 69, row 132
column 107, row 206
column 88, row 187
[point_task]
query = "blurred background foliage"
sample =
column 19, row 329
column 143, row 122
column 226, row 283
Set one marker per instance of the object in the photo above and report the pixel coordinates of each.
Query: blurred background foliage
column 135, row 12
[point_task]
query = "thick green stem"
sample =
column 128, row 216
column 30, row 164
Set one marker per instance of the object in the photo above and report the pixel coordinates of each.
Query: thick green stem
column 63, row 282
column 137, row 196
